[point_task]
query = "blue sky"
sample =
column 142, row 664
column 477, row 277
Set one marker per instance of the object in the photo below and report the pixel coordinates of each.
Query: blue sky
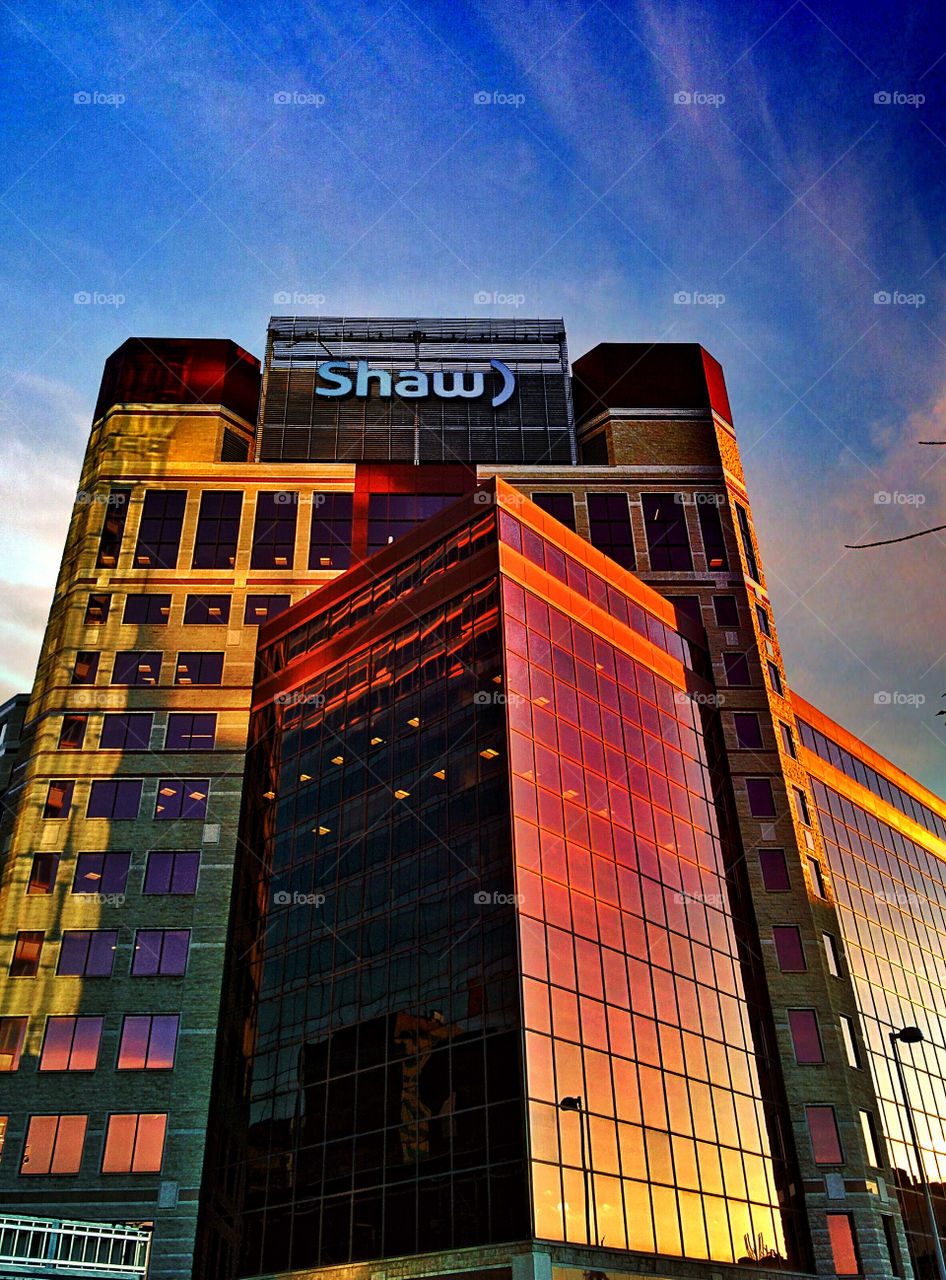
column 782, row 191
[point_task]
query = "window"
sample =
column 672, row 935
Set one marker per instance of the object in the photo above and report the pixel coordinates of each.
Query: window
column 114, row 798
column 199, row 668
column 134, row 1143
column 87, row 953
column 59, row 798
column 788, row 741
column 96, row 611
column 761, row 799
column 172, row 871
column 218, row 529
column 86, row 667
column 26, row 953
column 789, row 951
column 825, row 1139
column 774, row 870
column 726, row 610
column 871, row 1142
column 330, row 533
column 147, row 609
column 113, row 528
column 775, row 680
column 43, row 873
column 609, row 520
column 71, row 1044
column 844, row 1250
column 129, row 731
column 101, row 873
column 849, row 1040
column 765, row 626
column 136, row 668
column 274, row 531
column 190, row 732
column 391, row 515
column 12, row 1033
column 160, row 951
column 260, row 609
column 666, row 529
column 893, row 1252
column 148, row 1042
column 207, row 611
column 736, row 667
column 806, row 1038
column 182, row 798
column 53, row 1144
column 72, row 732
column 711, row 527
column 560, row 506
column 159, row 533
column 745, row 533
column 748, row 730
column 801, row 807
column 831, row 954
column 817, row 879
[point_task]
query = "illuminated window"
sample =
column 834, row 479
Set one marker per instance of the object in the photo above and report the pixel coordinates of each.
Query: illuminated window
column 609, row 520
column 831, row 955
column 96, row 611
column 148, row 1042
column 134, row 1143
column 101, row 873
column 211, row 611
column 190, row 732
column 26, row 953
column 726, row 610
column 823, row 1131
column 12, row 1032
column 844, row 1250
column 871, row 1142
column 172, row 871
column 748, row 730
column 218, row 529
column 59, row 798
column 560, row 506
column 788, row 948
column 736, row 666
column 72, row 732
column 666, row 528
column 128, row 731
column 133, row 667
column 761, row 799
column 274, row 531
column 160, row 951
column 53, row 1144
column 159, row 532
column 199, row 668
column 806, row 1038
column 87, row 953
column 817, row 879
column 801, row 806
column 147, row 609
column 113, row 528
column 330, row 532
column 114, row 798
column 711, row 527
column 260, row 609
column 182, row 798
column 745, row 533
column 774, row 870
column 71, row 1044
column 85, row 668
column 849, row 1039
column 43, row 873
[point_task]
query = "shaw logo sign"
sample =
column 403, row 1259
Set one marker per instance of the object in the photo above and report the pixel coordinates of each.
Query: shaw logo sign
column 412, row 384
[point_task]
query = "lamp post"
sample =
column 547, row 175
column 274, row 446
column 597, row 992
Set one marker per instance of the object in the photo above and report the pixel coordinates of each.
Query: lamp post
column 575, row 1104
column 913, row 1035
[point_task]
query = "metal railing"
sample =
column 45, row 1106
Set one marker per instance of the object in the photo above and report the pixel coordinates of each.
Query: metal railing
column 41, row 1247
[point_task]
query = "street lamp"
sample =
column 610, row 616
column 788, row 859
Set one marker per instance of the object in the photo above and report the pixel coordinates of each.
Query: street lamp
column 575, row 1104
column 913, row 1035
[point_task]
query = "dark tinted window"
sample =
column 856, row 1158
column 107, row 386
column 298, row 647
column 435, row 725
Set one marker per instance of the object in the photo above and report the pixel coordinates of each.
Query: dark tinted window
column 187, row 732
column 727, row 612
column 113, row 528
column 207, row 610
column 330, row 534
column 711, row 527
column 274, row 530
column 666, row 529
column 101, row 873
column 745, row 533
column 736, row 666
column 114, row 798
column 87, row 953
column 96, row 611
column 260, row 609
column 218, row 530
column 199, row 668
column 72, row 732
column 761, row 799
column 748, row 730
column 774, row 869
column 129, row 731
column 135, row 667
column 182, row 798
column 59, row 798
column 159, row 533
column 172, row 871
column 85, row 668
column 609, row 520
column 560, row 506
column 160, row 951
column 43, row 873
column 146, row 607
